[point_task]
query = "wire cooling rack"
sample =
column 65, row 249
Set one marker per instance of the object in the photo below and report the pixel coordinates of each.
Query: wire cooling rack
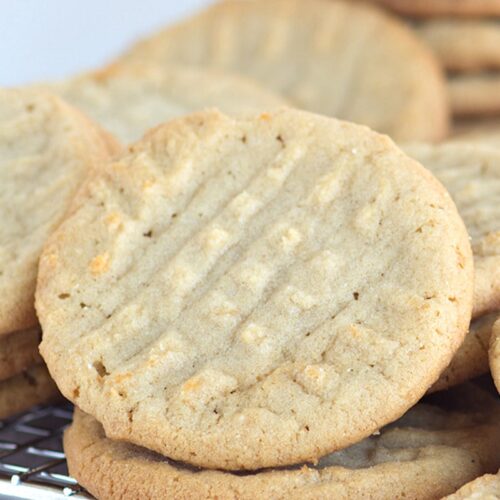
column 32, row 461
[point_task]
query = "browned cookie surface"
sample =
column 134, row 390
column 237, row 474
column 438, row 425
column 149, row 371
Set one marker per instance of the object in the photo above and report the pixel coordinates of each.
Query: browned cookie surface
column 425, row 455
column 232, row 285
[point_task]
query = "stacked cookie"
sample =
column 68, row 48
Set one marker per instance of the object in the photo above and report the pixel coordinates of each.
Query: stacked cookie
column 471, row 173
column 252, row 300
column 470, row 51
column 128, row 99
column 487, row 486
column 46, row 148
column 229, row 287
column 494, row 354
column 369, row 73
column 465, row 36
column 415, row 458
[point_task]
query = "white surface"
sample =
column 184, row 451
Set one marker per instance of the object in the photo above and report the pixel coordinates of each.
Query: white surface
column 44, row 40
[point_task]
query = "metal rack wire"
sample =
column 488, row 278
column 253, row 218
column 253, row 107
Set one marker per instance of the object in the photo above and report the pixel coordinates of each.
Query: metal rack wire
column 32, row 461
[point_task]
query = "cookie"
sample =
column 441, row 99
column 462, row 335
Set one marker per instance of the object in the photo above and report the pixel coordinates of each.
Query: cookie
column 475, row 95
column 233, row 285
column 46, row 150
column 432, row 8
column 428, row 453
column 29, row 388
column 471, row 173
column 479, row 130
column 486, row 487
column 471, row 360
column 129, row 99
column 19, row 351
column 341, row 59
column 464, row 45
column 494, row 354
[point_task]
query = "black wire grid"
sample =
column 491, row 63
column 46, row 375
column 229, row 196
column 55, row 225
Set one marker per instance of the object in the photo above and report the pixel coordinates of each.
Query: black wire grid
column 32, row 461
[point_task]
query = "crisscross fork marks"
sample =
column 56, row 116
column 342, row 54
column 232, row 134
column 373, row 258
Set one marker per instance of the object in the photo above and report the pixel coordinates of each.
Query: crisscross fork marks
column 234, row 329
column 225, row 211
column 154, row 245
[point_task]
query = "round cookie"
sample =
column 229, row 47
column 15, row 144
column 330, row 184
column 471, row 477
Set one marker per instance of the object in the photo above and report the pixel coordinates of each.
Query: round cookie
column 494, row 354
column 231, row 286
column 429, row 453
column 432, row 8
column 471, row 173
column 46, row 150
column 370, row 73
column 26, row 389
column 465, row 45
column 471, row 360
column 486, row 487
column 18, row 351
column 130, row 99
column 475, row 95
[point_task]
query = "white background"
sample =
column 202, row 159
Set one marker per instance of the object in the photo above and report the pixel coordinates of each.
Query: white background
column 43, row 40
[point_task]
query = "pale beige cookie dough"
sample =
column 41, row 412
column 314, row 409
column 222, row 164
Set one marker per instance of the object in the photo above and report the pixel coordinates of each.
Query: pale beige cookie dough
column 486, row 487
column 475, row 95
column 18, row 351
column 338, row 58
column 425, row 455
column 26, row 389
column 471, row 360
column 46, row 151
column 463, row 45
column 471, row 173
column 129, row 99
column 233, row 285
column 494, row 354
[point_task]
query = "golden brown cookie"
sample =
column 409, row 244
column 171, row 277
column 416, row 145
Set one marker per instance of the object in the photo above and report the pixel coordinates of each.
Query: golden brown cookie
column 19, row 351
column 478, row 130
column 338, row 58
column 46, row 150
column 428, row 453
column 29, row 388
column 475, row 95
column 471, row 173
column 232, row 285
column 471, row 360
column 494, row 354
column 432, row 8
column 128, row 99
column 464, row 45
column 486, row 487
